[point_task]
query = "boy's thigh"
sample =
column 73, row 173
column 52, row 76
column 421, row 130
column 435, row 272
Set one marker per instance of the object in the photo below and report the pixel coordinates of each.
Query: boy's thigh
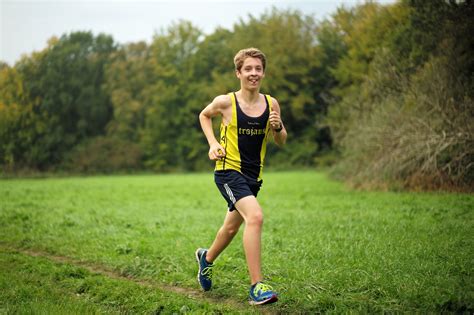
column 248, row 206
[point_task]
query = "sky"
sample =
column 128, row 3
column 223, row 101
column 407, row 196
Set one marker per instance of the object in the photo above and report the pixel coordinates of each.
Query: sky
column 26, row 25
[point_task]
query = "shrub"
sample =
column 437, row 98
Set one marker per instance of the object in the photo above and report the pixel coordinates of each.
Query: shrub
column 104, row 155
column 419, row 138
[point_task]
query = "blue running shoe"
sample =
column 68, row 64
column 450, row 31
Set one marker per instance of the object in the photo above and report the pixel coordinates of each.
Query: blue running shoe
column 261, row 293
column 205, row 269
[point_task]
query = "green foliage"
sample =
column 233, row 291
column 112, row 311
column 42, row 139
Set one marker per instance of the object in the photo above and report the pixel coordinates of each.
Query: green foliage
column 408, row 122
column 104, row 155
column 344, row 85
column 127, row 78
column 367, row 30
column 21, row 124
column 171, row 122
column 59, row 101
column 83, row 86
column 421, row 138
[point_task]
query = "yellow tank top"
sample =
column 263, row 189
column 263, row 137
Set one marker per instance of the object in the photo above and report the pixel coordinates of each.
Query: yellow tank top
column 245, row 140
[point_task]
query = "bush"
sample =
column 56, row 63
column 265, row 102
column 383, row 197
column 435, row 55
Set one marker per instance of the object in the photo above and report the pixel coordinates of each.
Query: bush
column 104, row 155
column 421, row 138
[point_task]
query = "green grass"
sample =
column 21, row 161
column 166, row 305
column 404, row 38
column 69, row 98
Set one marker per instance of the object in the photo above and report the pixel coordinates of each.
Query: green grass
column 39, row 286
column 325, row 248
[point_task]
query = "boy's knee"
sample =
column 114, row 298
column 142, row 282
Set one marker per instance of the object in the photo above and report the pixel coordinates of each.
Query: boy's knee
column 255, row 219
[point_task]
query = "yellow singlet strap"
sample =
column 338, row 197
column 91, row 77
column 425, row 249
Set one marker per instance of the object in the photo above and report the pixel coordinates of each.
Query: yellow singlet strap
column 269, row 100
column 234, row 108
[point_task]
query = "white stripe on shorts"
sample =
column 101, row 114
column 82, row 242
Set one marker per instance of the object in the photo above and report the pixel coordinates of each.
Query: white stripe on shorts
column 229, row 193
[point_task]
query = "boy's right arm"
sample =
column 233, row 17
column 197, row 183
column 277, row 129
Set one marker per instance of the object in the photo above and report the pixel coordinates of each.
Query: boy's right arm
column 216, row 151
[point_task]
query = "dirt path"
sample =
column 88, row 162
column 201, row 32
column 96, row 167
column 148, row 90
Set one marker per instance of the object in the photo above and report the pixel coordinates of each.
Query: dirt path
column 103, row 270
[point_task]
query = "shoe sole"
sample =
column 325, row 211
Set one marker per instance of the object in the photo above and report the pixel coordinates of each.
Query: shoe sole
column 270, row 300
column 199, row 270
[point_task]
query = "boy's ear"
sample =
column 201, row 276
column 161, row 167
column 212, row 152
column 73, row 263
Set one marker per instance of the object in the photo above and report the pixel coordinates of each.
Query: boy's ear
column 237, row 73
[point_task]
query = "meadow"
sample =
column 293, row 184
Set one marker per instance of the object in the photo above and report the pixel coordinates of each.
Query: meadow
column 125, row 244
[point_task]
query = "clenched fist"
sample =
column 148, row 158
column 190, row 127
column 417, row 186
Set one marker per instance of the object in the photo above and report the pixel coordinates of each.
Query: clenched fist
column 216, row 152
column 275, row 120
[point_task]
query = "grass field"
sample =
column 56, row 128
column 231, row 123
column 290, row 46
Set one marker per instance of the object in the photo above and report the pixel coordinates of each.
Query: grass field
column 125, row 244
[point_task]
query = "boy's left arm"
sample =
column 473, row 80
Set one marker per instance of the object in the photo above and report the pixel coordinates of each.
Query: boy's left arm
column 279, row 131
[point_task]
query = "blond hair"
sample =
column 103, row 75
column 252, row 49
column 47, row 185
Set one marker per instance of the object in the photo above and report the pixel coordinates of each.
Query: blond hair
column 246, row 53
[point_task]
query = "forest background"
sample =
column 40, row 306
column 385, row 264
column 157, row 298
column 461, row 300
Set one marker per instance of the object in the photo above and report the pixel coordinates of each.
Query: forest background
column 381, row 94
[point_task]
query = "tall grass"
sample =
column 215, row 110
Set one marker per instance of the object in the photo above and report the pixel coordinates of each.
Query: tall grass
column 414, row 131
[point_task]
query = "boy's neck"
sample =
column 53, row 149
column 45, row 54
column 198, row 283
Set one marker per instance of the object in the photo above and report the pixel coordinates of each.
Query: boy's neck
column 249, row 96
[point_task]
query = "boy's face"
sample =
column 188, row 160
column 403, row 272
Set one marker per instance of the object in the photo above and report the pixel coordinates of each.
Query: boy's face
column 251, row 73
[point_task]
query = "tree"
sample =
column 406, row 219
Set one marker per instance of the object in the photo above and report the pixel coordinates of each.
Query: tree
column 403, row 119
column 66, row 82
column 21, row 123
column 168, row 125
column 128, row 79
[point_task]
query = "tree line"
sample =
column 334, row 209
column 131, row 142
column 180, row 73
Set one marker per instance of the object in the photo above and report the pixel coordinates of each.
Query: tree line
column 382, row 93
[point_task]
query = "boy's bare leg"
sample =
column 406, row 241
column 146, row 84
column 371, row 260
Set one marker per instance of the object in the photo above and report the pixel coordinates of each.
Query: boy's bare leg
column 224, row 236
column 252, row 214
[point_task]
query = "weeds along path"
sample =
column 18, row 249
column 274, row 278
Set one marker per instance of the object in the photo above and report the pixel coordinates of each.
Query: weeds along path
column 104, row 271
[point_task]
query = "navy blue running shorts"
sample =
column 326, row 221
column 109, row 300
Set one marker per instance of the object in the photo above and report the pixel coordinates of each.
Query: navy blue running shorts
column 235, row 186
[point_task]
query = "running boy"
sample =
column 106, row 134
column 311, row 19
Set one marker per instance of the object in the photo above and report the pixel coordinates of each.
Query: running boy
column 247, row 119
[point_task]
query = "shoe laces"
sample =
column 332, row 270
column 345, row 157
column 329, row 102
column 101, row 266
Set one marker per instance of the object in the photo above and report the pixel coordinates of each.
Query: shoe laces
column 263, row 287
column 207, row 272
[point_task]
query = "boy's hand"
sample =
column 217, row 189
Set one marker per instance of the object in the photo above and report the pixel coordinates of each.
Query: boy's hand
column 216, row 152
column 275, row 120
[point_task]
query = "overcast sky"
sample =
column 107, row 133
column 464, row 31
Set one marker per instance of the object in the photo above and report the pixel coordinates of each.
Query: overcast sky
column 26, row 25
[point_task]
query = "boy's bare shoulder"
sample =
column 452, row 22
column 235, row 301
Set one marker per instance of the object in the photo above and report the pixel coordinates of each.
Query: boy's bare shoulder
column 222, row 101
column 275, row 103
